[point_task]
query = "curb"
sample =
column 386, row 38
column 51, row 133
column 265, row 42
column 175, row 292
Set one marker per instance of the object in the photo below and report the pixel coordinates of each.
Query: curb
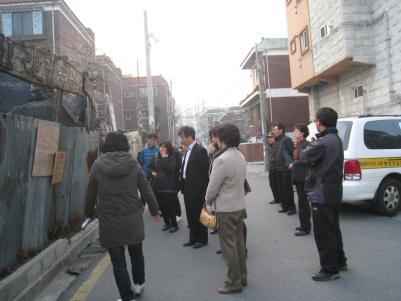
column 31, row 278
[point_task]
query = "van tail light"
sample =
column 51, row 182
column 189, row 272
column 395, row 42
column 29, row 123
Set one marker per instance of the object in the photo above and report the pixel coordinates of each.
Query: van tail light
column 352, row 170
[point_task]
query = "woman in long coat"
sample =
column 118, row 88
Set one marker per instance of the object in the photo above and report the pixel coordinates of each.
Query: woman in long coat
column 114, row 182
column 226, row 192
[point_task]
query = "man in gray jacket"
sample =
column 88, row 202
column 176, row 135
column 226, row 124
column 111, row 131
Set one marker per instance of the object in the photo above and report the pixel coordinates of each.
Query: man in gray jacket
column 325, row 158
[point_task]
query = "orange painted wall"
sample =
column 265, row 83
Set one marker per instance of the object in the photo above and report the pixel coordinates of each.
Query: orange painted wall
column 297, row 20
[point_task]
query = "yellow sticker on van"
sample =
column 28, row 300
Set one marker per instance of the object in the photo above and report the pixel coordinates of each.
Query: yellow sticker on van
column 372, row 163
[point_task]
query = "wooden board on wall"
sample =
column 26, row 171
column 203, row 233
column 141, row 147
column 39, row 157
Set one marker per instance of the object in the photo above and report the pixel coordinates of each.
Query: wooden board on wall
column 58, row 169
column 47, row 140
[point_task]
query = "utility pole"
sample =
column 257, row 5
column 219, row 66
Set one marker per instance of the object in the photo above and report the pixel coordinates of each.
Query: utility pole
column 151, row 107
column 260, row 77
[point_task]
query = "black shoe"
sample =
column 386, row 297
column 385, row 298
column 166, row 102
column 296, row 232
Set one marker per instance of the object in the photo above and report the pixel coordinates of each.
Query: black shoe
column 324, row 276
column 282, row 211
column 173, row 229
column 298, row 228
column 274, row 202
column 198, row 245
column 212, row 232
column 244, row 283
column 291, row 212
column 301, row 233
column 189, row 244
column 343, row 267
column 166, row 227
column 218, row 252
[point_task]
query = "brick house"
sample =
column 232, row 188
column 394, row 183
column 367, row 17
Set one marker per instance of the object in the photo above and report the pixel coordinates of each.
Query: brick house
column 136, row 106
column 346, row 54
column 49, row 24
column 282, row 103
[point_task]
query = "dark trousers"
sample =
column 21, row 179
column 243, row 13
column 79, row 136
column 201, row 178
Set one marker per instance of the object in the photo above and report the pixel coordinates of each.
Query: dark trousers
column 274, row 182
column 286, row 191
column 117, row 255
column 197, row 231
column 167, row 205
column 303, row 207
column 177, row 205
column 329, row 242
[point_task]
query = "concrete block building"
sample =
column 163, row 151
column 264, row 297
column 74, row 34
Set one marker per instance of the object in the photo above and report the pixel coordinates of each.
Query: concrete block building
column 346, row 54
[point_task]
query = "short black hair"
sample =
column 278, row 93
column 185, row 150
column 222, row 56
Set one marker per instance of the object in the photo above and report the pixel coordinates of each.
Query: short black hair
column 187, row 131
column 327, row 117
column 303, row 128
column 280, row 126
column 152, row 136
column 214, row 132
column 115, row 142
column 229, row 134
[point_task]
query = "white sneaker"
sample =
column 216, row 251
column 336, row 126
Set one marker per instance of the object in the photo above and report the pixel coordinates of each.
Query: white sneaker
column 178, row 218
column 138, row 289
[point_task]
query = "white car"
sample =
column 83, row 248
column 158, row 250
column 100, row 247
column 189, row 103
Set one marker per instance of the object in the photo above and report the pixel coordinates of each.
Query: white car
column 372, row 161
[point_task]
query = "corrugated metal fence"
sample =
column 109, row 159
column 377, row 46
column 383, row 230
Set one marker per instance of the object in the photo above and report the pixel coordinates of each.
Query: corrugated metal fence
column 29, row 205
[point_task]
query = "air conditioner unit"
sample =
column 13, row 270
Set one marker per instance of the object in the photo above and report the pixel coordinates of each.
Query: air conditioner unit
column 325, row 31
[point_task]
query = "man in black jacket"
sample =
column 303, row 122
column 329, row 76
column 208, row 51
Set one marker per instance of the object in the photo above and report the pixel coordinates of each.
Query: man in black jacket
column 194, row 181
column 283, row 150
column 325, row 158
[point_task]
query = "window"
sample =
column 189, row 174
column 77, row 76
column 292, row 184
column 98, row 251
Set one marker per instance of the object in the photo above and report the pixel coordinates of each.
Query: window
column 344, row 131
column 304, row 39
column 129, row 91
column 293, row 45
column 324, row 31
column 358, row 92
column 22, row 24
column 143, row 91
column 237, row 116
column 383, row 134
column 128, row 115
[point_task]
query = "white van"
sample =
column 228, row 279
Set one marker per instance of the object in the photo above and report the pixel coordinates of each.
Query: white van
column 372, row 161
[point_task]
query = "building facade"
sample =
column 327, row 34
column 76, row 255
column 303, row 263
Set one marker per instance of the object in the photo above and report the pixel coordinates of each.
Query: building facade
column 282, row 103
column 136, row 114
column 350, row 60
column 49, row 24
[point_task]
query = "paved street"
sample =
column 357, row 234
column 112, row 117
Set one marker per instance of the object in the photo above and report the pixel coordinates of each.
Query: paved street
column 279, row 264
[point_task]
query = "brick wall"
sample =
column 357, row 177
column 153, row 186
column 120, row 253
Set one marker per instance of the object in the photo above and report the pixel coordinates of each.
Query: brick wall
column 70, row 43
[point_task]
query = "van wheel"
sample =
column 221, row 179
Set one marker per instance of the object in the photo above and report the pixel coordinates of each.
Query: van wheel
column 388, row 197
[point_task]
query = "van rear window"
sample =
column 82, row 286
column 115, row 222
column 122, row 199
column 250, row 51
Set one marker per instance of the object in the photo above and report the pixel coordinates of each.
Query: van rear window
column 383, row 134
column 344, row 130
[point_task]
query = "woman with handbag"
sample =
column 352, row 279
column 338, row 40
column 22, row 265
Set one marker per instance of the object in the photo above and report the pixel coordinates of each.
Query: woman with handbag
column 164, row 185
column 226, row 192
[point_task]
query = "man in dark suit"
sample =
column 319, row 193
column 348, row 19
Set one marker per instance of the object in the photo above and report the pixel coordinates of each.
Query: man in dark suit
column 194, row 180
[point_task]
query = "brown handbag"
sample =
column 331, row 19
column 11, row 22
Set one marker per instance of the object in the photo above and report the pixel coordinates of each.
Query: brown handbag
column 208, row 219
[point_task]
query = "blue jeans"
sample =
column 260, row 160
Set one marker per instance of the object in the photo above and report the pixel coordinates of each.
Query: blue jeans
column 117, row 255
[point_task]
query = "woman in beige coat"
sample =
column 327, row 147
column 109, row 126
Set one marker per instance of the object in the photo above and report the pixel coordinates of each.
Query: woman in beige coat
column 226, row 193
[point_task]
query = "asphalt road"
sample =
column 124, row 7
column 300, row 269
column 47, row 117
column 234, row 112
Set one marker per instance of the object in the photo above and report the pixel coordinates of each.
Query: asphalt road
column 279, row 264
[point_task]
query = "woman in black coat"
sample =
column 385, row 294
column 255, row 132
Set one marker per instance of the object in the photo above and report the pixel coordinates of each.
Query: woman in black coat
column 301, row 131
column 164, row 184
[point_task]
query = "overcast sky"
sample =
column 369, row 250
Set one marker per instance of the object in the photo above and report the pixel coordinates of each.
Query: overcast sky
column 201, row 43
